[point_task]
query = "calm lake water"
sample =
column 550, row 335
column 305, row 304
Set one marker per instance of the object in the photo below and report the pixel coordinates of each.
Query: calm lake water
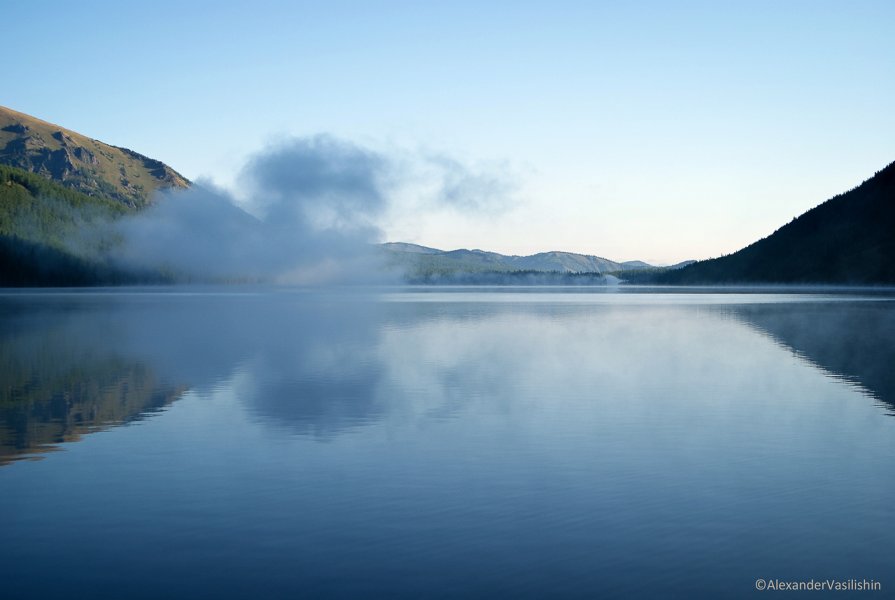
column 443, row 443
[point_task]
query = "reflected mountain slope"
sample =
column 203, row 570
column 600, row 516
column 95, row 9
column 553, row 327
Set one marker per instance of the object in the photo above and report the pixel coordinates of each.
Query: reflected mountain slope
column 59, row 382
column 853, row 342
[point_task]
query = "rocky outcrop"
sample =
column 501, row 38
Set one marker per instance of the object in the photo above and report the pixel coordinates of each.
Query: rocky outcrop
column 81, row 163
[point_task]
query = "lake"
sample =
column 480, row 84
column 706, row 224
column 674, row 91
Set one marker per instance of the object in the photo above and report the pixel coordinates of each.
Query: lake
column 443, row 442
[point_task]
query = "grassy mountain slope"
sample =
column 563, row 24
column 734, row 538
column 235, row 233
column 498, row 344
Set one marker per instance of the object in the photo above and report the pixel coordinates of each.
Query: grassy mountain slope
column 80, row 163
column 849, row 239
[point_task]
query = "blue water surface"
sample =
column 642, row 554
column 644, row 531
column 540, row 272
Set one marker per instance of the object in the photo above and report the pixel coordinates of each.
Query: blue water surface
column 443, row 443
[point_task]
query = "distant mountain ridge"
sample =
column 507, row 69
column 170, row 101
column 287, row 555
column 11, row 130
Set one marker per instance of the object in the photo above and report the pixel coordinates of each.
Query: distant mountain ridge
column 847, row 240
column 81, row 163
column 422, row 261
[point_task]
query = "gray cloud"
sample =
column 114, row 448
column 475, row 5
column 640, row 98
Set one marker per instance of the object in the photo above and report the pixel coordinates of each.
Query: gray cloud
column 468, row 189
column 319, row 172
column 315, row 205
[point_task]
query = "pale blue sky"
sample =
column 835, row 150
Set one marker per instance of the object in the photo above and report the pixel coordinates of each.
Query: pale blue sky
column 645, row 130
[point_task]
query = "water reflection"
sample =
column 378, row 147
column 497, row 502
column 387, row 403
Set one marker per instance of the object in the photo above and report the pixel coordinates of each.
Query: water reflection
column 320, row 364
column 852, row 342
column 610, row 445
column 35, row 419
column 436, row 360
column 63, row 374
column 71, row 363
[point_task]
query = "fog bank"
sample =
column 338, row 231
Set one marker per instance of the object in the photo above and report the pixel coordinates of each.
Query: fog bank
column 310, row 211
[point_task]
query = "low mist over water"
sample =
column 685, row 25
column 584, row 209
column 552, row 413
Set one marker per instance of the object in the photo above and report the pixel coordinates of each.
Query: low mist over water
column 443, row 442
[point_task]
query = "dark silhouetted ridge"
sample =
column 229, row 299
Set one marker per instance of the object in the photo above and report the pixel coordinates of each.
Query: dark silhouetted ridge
column 847, row 240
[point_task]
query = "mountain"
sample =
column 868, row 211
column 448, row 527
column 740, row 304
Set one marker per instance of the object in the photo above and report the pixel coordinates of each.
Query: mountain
column 57, row 187
column 847, row 240
column 423, row 264
column 568, row 262
column 410, row 248
column 80, row 163
column 681, row 265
